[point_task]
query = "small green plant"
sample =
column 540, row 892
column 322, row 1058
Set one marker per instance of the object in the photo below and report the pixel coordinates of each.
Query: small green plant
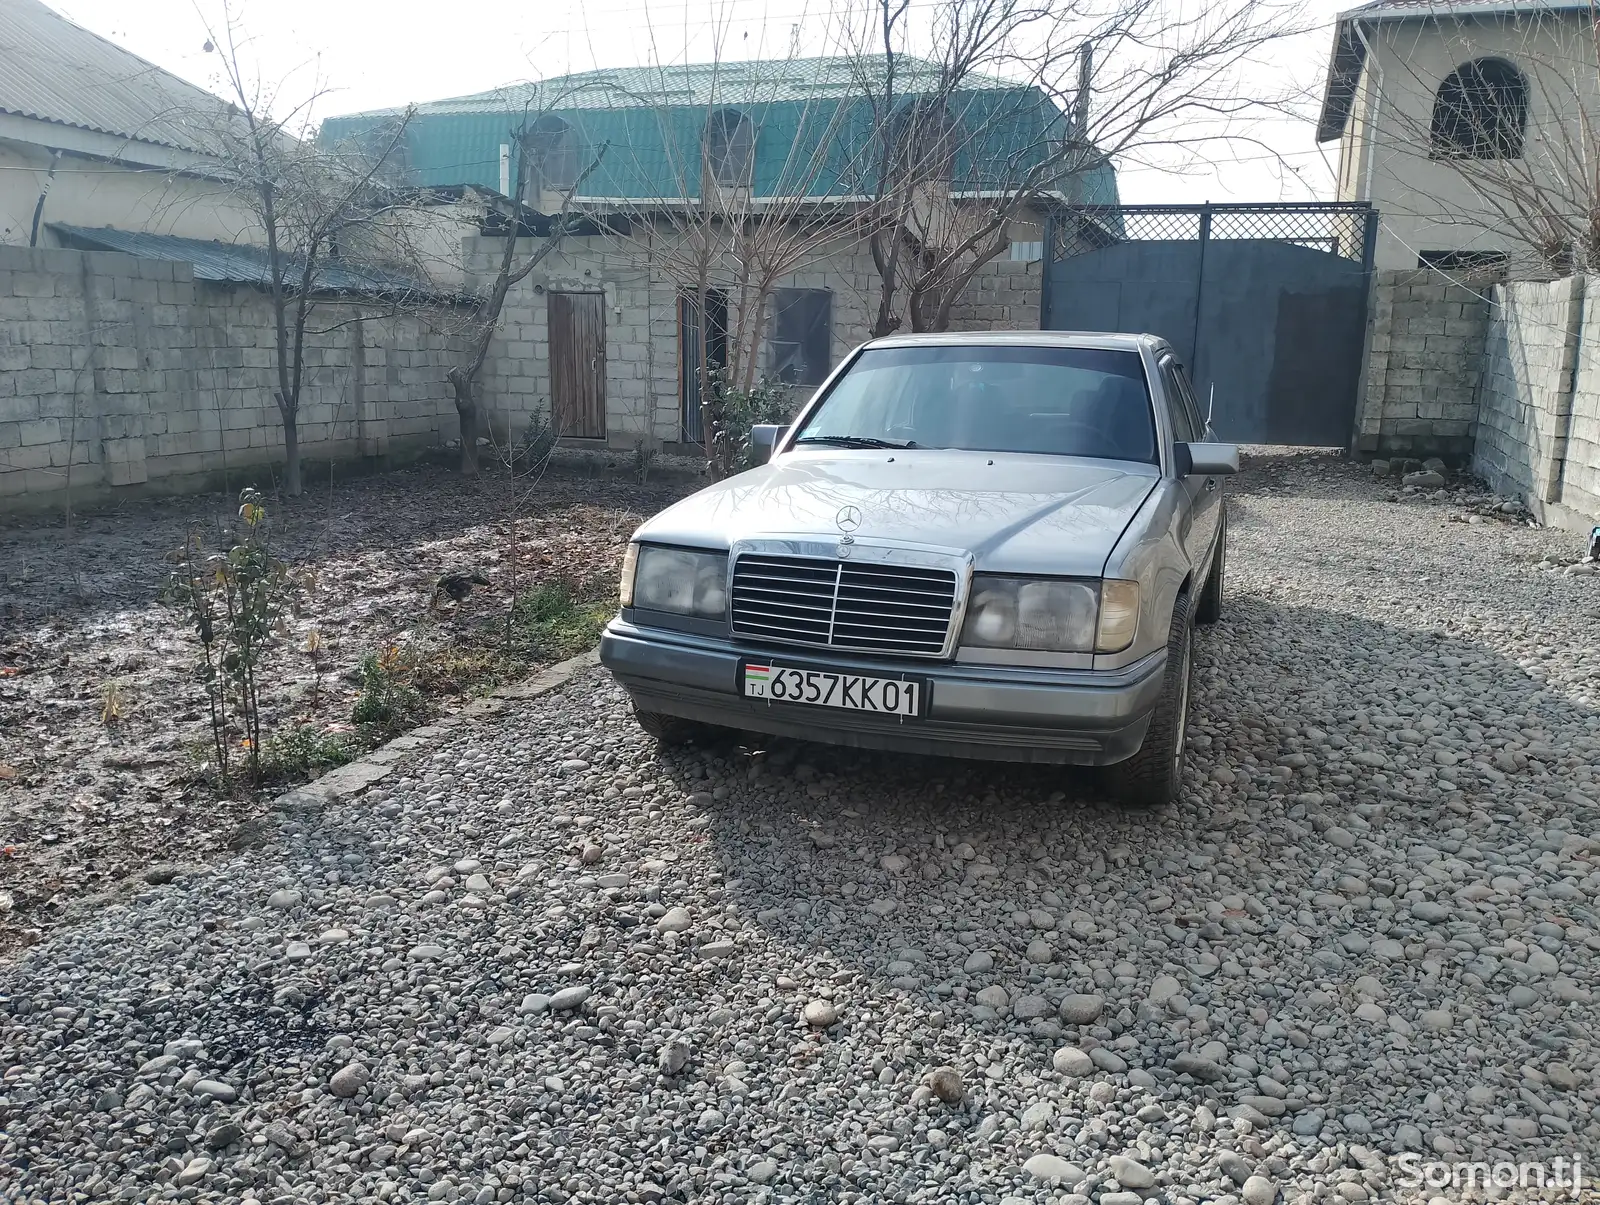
column 302, row 752
column 236, row 601
column 388, row 701
column 733, row 412
column 644, row 459
column 557, row 620
column 535, row 445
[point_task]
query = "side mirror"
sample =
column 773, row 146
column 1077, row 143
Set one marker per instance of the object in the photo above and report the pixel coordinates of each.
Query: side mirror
column 1207, row 460
column 763, row 439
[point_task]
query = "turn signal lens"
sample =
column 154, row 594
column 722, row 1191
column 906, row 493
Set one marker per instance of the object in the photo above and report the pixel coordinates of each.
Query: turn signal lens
column 1119, row 615
column 630, row 564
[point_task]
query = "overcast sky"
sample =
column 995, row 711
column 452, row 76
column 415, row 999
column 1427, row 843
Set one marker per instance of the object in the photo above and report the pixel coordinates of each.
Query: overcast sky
column 380, row 53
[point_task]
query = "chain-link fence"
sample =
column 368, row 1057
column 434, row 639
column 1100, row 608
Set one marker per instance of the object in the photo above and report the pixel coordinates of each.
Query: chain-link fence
column 1339, row 228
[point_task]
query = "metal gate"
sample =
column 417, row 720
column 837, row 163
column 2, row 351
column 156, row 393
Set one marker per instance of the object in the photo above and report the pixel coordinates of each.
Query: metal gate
column 1265, row 304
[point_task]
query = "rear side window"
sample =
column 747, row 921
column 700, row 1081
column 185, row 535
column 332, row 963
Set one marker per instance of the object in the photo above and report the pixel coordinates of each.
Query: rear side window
column 1065, row 401
column 1191, row 403
column 1183, row 429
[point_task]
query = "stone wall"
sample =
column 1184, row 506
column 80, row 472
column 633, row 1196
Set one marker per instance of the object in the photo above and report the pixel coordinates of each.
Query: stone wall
column 1424, row 362
column 1539, row 423
column 125, row 372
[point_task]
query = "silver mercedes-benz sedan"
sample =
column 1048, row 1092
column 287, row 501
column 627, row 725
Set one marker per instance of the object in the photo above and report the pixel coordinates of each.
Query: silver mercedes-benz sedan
column 979, row 545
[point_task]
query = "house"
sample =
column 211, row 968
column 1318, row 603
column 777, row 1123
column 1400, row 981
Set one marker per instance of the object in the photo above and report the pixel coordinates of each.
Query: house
column 673, row 167
column 1469, row 124
column 93, row 136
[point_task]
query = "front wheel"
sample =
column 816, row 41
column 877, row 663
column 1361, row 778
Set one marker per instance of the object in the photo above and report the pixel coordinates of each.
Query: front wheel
column 1150, row 778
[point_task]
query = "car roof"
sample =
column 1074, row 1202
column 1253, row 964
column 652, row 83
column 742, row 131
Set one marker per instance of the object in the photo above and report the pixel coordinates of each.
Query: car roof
column 1099, row 340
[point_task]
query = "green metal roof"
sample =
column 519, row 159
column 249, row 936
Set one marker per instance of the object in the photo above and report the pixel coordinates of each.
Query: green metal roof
column 698, row 85
column 812, row 119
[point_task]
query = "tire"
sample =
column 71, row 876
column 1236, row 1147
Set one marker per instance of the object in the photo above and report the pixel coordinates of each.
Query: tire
column 672, row 731
column 1151, row 777
column 1208, row 607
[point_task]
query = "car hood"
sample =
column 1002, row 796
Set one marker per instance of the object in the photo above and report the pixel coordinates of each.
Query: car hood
column 1014, row 513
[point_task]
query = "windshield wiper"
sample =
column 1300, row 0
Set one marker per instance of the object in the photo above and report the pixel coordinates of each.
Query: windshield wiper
column 853, row 441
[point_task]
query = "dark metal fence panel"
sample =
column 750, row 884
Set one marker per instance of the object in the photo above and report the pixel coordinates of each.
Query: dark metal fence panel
column 1265, row 304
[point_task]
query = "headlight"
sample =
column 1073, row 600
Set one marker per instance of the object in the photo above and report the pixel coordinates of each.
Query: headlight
column 1051, row 615
column 1031, row 613
column 671, row 579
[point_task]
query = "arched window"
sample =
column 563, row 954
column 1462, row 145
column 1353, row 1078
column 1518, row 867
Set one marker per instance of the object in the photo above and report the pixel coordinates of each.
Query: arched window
column 1480, row 112
column 730, row 149
column 922, row 137
column 552, row 157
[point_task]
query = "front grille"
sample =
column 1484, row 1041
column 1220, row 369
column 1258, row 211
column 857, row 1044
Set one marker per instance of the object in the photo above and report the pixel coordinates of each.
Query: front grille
column 843, row 605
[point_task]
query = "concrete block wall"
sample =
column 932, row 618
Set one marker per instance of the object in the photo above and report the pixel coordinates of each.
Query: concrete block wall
column 1424, row 364
column 642, row 361
column 1539, row 422
column 640, row 307
column 1004, row 295
column 119, row 372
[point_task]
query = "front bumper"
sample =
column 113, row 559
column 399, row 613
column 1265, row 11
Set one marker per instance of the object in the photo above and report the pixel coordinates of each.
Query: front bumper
column 1003, row 713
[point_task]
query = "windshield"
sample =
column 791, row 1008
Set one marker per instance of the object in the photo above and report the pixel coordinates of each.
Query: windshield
column 1063, row 401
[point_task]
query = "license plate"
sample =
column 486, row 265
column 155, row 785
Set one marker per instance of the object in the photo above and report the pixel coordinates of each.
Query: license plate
column 903, row 697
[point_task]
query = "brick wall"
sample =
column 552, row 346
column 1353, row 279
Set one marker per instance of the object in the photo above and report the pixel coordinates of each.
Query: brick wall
column 1539, row 423
column 125, row 372
column 1424, row 362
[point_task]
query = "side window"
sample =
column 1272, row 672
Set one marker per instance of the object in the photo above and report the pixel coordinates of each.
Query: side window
column 1186, row 391
column 1183, row 429
column 802, row 336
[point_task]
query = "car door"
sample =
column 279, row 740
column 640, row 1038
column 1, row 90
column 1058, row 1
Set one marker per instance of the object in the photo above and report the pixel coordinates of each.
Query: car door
column 1204, row 494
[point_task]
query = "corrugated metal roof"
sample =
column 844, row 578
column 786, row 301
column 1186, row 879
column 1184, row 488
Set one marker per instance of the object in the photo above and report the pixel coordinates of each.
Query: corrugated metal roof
column 240, row 263
column 1461, row 8
column 55, row 71
column 642, row 129
column 758, row 81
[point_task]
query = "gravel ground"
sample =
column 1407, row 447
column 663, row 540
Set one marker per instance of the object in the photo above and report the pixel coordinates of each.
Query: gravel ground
column 542, row 962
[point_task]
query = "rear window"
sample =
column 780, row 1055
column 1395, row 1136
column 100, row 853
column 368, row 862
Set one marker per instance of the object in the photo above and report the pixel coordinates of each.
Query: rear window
column 1063, row 401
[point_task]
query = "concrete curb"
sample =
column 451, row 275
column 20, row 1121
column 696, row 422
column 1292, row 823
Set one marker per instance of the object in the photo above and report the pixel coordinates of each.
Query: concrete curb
column 345, row 782
column 352, row 778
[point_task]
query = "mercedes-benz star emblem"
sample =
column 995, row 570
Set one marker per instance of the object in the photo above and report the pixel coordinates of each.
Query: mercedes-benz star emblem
column 848, row 518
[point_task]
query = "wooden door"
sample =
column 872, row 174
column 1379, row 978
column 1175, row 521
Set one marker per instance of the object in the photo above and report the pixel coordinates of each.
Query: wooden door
column 578, row 364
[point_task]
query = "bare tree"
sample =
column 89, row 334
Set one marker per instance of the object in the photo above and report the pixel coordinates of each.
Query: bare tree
column 716, row 231
column 511, row 271
column 1022, row 105
column 310, row 203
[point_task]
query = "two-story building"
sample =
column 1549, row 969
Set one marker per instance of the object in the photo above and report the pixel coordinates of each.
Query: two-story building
column 676, row 166
column 1470, row 124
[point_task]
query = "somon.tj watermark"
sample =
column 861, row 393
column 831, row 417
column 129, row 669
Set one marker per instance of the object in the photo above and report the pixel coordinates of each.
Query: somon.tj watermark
column 1560, row 1174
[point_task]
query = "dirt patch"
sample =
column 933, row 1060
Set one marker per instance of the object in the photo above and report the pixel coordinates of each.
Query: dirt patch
column 102, row 719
